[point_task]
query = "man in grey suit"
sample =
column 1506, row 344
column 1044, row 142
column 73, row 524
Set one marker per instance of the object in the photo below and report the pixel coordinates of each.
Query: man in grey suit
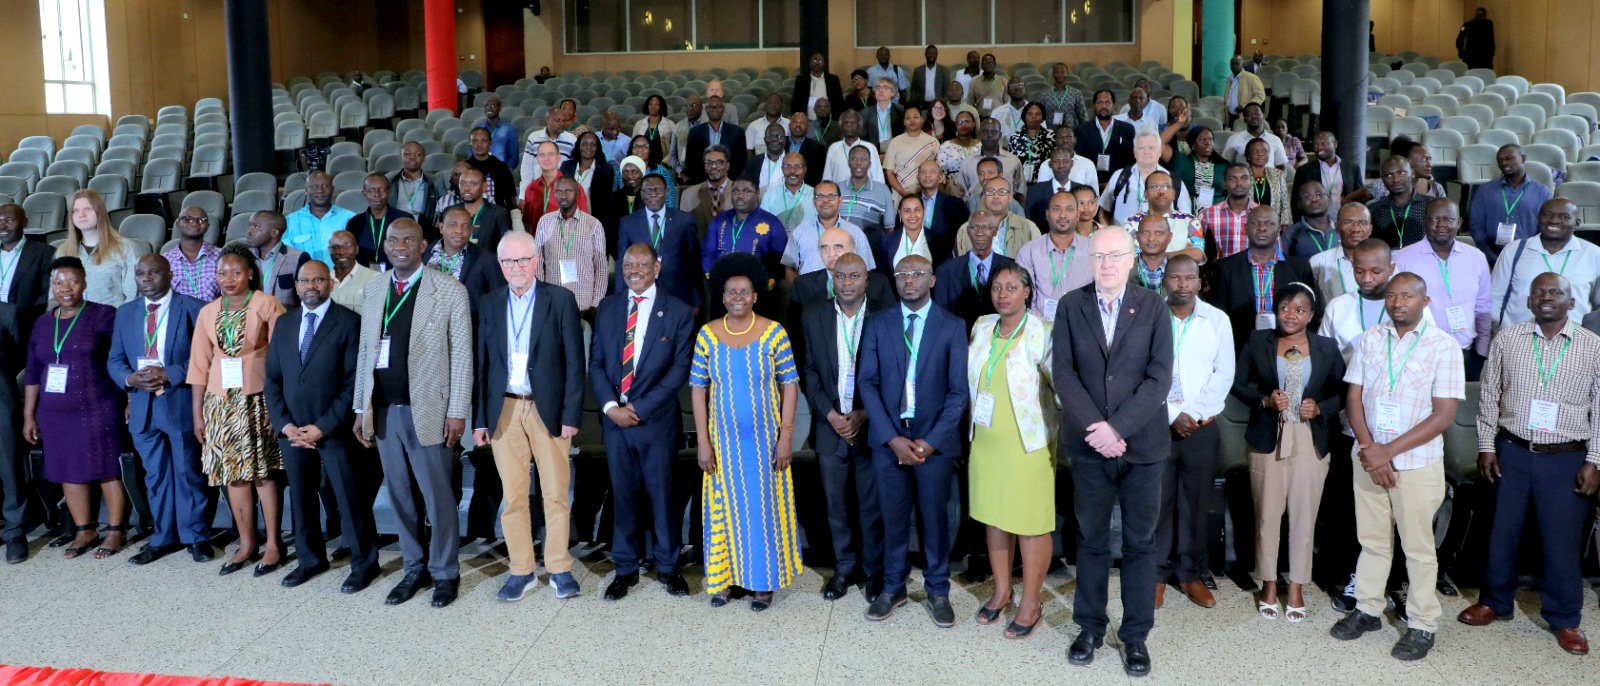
column 277, row 262
column 928, row 82
column 413, row 391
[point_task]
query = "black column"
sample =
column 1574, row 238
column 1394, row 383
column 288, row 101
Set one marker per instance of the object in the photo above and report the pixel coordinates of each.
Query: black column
column 813, row 33
column 249, row 85
column 1344, row 75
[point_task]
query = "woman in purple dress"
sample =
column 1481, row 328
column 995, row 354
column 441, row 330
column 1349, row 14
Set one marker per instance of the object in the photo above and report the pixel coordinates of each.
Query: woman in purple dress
column 74, row 407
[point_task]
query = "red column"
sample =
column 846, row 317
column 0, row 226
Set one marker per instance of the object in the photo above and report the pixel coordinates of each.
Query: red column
column 439, row 29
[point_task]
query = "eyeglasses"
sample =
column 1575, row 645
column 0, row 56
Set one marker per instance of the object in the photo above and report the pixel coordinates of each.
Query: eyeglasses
column 996, row 192
column 915, row 274
column 1109, row 256
column 518, row 262
column 826, row 196
column 313, row 281
column 1355, row 222
column 1159, row 187
column 187, row 219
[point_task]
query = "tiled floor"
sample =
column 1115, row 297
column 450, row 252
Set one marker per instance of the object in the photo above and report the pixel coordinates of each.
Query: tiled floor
column 176, row 617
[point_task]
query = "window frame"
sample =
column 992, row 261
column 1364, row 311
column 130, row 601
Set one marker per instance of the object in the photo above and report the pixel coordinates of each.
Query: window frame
column 94, row 59
column 694, row 33
column 855, row 29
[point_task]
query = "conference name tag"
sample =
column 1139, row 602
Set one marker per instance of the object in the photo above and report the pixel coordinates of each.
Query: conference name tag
column 847, row 392
column 1102, row 163
column 1050, row 308
column 1504, row 233
column 383, row 353
column 569, row 271
column 988, row 103
column 55, row 379
column 232, row 373
column 519, row 369
column 1456, row 316
column 1542, row 415
column 911, row 397
column 1176, row 394
column 1204, row 198
column 1266, row 320
column 1055, row 119
column 145, row 362
column 1388, row 420
column 983, row 410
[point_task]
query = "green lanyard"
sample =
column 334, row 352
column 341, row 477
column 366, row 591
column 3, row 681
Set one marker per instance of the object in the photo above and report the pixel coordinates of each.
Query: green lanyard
column 228, row 333
column 905, row 238
column 567, row 236
column 389, row 312
column 1511, row 205
column 1362, row 312
column 60, row 339
column 1564, row 262
column 1318, row 242
column 1414, row 341
column 849, row 210
column 1400, row 223
column 150, row 340
column 448, row 264
column 484, row 203
column 270, row 270
column 988, row 375
column 410, row 199
column 191, row 271
column 1444, row 272
column 788, row 212
column 378, row 230
column 913, row 351
column 1545, row 375
column 1057, row 272
column 656, row 232
column 1179, row 334
column 738, row 228
column 7, row 269
column 852, row 325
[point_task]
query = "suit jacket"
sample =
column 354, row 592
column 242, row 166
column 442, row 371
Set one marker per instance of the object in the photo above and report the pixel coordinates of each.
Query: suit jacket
column 317, row 392
column 802, row 92
column 819, row 368
column 1256, row 377
column 816, row 156
column 811, row 289
column 1120, row 147
column 600, row 184
column 886, row 252
column 1250, row 90
column 30, row 285
column 869, row 124
column 941, row 379
column 679, row 251
column 555, row 358
column 176, row 403
column 919, row 83
column 949, row 214
column 1591, row 321
column 280, row 283
column 13, row 357
column 1312, row 171
column 480, row 273
column 694, row 163
column 1124, row 383
column 494, row 222
column 660, row 369
column 698, row 201
column 953, row 289
column 439, row 364
column 1037, row 203
column 1233, row 289
column 427, row 220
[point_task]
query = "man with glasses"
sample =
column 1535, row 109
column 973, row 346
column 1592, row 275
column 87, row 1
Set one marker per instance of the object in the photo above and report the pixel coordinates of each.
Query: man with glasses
column 1113, row 355
column 369, row 226
column 1553, row 249
column 672, row 237
column 710, row 197
column 801, row 255
column 1015, row 230
column 1059, row 260
column 962, row 283
column 1184, row 234
column 193, row 260
column 792, row 201
column 1335, row 267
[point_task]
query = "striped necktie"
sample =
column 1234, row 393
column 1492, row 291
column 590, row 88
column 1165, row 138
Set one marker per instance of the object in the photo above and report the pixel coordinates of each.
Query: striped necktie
column 627, row 344
column 150, row 330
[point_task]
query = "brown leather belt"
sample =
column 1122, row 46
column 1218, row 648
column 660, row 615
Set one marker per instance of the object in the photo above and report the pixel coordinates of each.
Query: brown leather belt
column 1546, row 448
column 520, row 396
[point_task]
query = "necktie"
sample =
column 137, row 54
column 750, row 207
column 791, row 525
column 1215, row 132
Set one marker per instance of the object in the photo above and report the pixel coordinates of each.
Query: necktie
column 627, row 344
column 150, row 330
column 911, row 337
column 305, row 341
column 399, row 287
column 983, row 274
column 655, row 231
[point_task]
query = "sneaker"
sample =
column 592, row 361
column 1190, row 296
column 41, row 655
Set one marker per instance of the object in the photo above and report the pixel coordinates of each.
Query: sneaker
column 1414, row 645
column 516, row 587
column 1353, row 625
column 565, row 585
column 1345, row 601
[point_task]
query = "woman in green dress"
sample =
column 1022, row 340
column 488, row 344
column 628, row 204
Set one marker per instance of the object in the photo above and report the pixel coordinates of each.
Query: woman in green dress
column 1012, row 473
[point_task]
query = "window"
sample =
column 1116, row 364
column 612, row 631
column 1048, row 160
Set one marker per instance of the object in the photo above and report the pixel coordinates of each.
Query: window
column 668, row 25
column 909, row 23
column 73, row 34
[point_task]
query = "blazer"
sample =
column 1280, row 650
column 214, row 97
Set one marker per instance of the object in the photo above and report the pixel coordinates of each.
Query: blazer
column 949, row 214
column 494, row 222
column 1036, row 205
column 694, row 162
column 811, row 289
column 1028, row 368
column 941, row 379
column 1256, row 377
column 430, row 201
column 919, row 83
column 30, row 285
column 555, row 358
column 600, row 184
column 660, row 368
column 175, row 405
column 954, row 291
column 1120, row 147
column 261, row 316
column 1124, row 383
column 679, row 252
column 869, row 124
column 317, row 392
column 280, row 283
column 1233, row 289
column 13, row 358
column 1312, row 171
column 698, row 201
column 886, row 254
column 1250, row 90
column 819, row 370
column 361, row 225
column 802, row 92
column 816, row 156
column 480, row 273
column 439, row 364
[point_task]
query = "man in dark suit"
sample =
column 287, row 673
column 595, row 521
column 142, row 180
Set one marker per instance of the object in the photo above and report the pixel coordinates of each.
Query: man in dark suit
column 13, row 493
column 1107, row 141
column 818, row 286
column 942, row 213
column 642, row 348
column 913, row 382
column 928, row 82
column 714, row 131
column 1235, row 288
column 799, row 140
column 873, row 128
column 1036, row 205
column 311, row 370
column 490, row 222
column 961, row 285
column 530, row 330
column 26, row 266
column 150, row 357
column 473, row 265
column 806, row 91
column 1343, row 184
column 370, row 225
column 838, row 428
column 672, row 236
column 1113, row 368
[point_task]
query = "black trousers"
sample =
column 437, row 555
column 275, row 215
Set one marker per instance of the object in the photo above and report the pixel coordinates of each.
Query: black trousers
column 641, row 493
column 1337, row 547
column 1186, row 481
column 341, row 464
column 1098, row 486
column 855, row 521
column 13, row 487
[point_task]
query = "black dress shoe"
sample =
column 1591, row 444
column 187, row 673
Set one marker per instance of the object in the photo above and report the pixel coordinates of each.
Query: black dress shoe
column 1081, row 652
column 939, row 608
column 62, row 540
column 836, row 588
column 674, row 582
column 301, row 575
column 151, row 553
column 1209, row 581
column 16, row 551
column 874, row 588
column 231, row 567
column 884, row 604
column 444, row 592
column 1135, row 659
column 620, row 585
column 340, row 553
column 408, row 586
column 1446, row 588
column 264, row 569
column 202, row 552
column 358, row 582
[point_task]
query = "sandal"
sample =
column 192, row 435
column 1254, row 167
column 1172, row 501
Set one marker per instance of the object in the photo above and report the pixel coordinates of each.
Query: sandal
column 1018, row 632
column 989, row 615
column 760, row 602
column 720, row 599
column 1268, row 610
column 1295, row 615
column 104, row 552
column 72, row 551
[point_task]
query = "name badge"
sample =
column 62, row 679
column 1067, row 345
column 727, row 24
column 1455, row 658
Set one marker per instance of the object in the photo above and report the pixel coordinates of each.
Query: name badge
column 383, row 353
column 519, row 369
column 569, row 271
column 232, row 373
column 847, row 392
column 1204, row 197
column 1175, row 395
column 1505, row 232
column 144, row 362
column 1050, row 305
column 988, row 103
column 1542, row 415
column 983, row 410
column 1388, row 419
column 911, row 397
column 1102, row 163
column 55, row 379
column 1266, row 320
column 1055, row 119
column 1456, row 316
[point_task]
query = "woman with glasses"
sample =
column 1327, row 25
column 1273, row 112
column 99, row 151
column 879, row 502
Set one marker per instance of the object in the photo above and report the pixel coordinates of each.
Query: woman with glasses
column 745, row 389
column 108, row 258
column 1012, row 470
column 649, row 150
column 1293, row 382
column 228, row 368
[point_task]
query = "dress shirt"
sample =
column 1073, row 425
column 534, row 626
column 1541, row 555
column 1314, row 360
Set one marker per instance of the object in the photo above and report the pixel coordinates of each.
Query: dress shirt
column 519, row 335
column 1303, row 240
column 1109, row 311
column 1460, row 281
column 837, row 166
column 641, row 328
column 893, row 73
column 8, row 269
column 450, row 266
column 1410, row 370
column 867, row 206
column 1276, row 155
column 1511, row 382
column 411, row 195
column 1332, row 178
column 347, row 292
column 913, row 246
column 1055, row 272
column 791, row 208
column 1202, row 363
column 322, row 318
column 930, row 82
column 1131, row 200
column 502, row 140
column 1578, row 260
column 1143, row 123
column 1226, row 228
column 1334, row 271
column 1232, row 94
column 974, row 262
column 197, row 279
column 755, row 135
column 847, row 341
column 580, row 240
column 161, row 312
column 310, row 234
column 1184, row 227
column 1498, row 202
column 771, row 173
column 1010, row 118
column 965, row 79
column 1082, row 173
column 1350, row 315
column 615, row 149
column 915, row 350
column 802, row 254
column 1155, row 114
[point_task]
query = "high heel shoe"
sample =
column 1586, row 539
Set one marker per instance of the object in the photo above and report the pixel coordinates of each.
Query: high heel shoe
column 75, row 551
column 1018, row 631
column 989, row 615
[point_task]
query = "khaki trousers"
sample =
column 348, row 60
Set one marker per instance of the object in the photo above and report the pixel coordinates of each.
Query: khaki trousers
column 519, row 438
column 1292, row 484
column 1410, row 507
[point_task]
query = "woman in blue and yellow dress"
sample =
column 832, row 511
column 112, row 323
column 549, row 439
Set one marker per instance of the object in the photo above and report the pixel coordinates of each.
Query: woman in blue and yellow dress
column 745, row 392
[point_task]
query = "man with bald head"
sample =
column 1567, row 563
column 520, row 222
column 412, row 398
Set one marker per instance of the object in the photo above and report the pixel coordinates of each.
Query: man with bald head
column 942, row 213
column 308, row 228
column 1552, row 249
column 369, row 226
column 799, row 256
column 817, row 286
column 1246, row 281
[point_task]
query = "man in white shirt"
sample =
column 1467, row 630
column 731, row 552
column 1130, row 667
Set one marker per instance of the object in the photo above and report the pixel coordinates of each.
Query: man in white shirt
column 801, row 255
column 1256, row 127
column 1137, row 112
column 555, row 131
column 1554, row 249
column 1353, row 314
column 349, row 276
column 1010, row 114
column 837, row 166
column 1333, row 267
column 1125, row 193
column 893, row 72
column 1202, row 375
column 965, row 76
column 1082, row 169
column 772, row 111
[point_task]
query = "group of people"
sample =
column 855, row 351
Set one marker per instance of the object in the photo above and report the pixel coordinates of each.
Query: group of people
column 938, row 336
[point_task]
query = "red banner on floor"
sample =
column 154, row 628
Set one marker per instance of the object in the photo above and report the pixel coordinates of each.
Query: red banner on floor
column 45, row 676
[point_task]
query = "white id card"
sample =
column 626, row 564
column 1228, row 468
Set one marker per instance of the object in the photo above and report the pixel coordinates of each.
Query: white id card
column 1504, row 233
column 1176, row 394
column 519, row 369
column 988, row 103
column 1388, row 420
column 55, row 379
column 983, row 410
column 1204, row 197
column 1050, row 305
column 1456, row 316
column 232, row 373
column 1055, row 119
column 383, row 353
column 847, row 393
column 1542, row 415
column 569, row 271
column 911, row 397
column 1266, row 320
column 1102, row 163
column 144, row 362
